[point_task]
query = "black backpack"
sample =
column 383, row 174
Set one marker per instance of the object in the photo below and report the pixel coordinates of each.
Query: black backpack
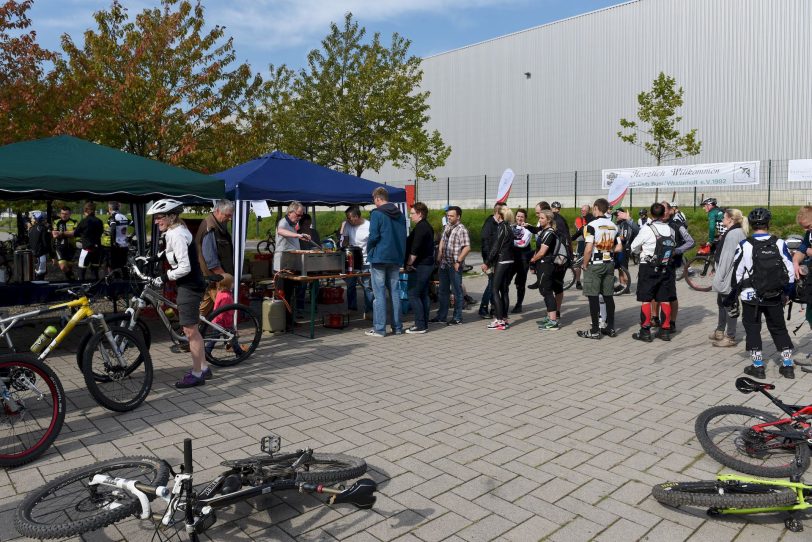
column 769, row 273
column 664, row 249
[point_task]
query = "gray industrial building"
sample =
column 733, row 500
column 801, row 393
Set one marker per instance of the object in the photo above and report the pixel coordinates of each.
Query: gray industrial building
column 546, row 101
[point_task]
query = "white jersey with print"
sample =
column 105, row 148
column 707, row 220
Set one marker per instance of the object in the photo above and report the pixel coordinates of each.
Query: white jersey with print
column 602, row 233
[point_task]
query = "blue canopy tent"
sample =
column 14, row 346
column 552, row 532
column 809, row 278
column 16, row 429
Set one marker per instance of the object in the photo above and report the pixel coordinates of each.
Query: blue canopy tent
column 280, row 178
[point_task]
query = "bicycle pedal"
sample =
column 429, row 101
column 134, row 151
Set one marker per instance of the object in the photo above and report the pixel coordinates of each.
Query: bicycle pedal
column 271, row 444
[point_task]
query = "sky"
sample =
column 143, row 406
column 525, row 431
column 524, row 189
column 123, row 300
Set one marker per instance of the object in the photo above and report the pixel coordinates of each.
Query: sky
column 284, row 31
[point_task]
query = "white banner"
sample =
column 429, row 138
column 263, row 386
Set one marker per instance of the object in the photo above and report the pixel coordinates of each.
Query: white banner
column 800, row 170
column 726, row 175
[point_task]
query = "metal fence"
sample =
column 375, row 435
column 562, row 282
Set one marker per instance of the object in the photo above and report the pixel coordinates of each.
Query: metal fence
column 574, row 188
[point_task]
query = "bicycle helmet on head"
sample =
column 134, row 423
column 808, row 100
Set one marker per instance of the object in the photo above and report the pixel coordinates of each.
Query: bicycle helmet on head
column 167, row 206
column 759, row 217
column 555, row 205
column 709, row 201
column 642, row 212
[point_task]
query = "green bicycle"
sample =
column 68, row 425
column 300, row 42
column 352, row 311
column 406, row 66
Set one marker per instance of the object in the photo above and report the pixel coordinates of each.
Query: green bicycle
column 732, row 494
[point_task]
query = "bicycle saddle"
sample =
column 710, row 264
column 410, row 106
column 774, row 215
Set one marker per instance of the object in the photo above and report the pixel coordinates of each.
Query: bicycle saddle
column 748, row 385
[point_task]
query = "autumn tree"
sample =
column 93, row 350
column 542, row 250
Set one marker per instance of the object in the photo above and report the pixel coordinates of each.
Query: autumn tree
column 157, row 86
column 659, row 135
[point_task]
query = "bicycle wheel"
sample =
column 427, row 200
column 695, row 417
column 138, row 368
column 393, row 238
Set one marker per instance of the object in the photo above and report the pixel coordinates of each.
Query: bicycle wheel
column 238, row 341
column 322, row 468
column 34, row 411
column 118, row 320
column 679, row 272
column 68, row 506
column 266, row 247
column 619, row 287
column 569, row 277
column 119, row 375
column 717, row 494
column 725, row 434
column 699, row 273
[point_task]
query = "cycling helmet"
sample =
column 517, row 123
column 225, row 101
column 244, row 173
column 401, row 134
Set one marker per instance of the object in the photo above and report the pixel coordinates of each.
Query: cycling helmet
column 759, row 217
column 38, row 216
column 642, row 212
column 166, row 206
column 555, row 205
column 709, row 201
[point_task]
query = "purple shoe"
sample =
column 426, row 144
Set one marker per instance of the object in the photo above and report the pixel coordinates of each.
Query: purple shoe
column 207, row 373
column 189, row 381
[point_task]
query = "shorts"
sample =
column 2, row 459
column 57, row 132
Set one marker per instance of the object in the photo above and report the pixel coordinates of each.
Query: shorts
column 90, row 257
column 655, row 285
column 551, row 278
column 189, row 305
column 599, row 279
column 66, row 253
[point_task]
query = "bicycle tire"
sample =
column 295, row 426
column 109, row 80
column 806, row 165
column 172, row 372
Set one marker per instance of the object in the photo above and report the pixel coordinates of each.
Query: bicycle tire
column 569, row 277
column 329, row 468
column 113, row 319
column 721, row 431
column 118, row 390
column 717, row 494
column 223, row 352
column 40, row 515
column 267, row 247
column 44, row 416
column 699, row 273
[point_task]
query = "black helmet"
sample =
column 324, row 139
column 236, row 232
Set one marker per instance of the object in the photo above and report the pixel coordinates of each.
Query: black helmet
column 709, row 201
column 759, row 217
column 642, row 212
column 555, row 205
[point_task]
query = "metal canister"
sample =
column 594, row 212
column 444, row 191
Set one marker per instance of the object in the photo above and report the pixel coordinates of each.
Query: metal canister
column 23, row 265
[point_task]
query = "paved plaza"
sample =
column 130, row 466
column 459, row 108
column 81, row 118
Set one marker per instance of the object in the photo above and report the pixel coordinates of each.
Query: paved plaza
column 471, row 434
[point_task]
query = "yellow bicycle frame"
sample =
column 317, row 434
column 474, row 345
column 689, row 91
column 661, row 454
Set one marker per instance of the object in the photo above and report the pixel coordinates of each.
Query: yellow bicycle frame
column 798, row 487
column 85, row 311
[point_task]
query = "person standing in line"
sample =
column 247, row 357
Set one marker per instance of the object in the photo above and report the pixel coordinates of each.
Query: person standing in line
column 499, row 265
column 598, row 269
column 580, row 229
column 736, row 231
column 65, row 246
column 679, row 216
column 715, row 216
column 89, row 230
column 119, row 246
column 287, row 240
column 486, row 236
column 522, row 252
column 765, row 276
column 642, row 219
column 684, row 243
column 543, row 260
column 215, row 249
column 181, row 255
column 627, row 230
column 354, row 232
column 420, row 265
column 386, row 248
column 455, row 244
column 39, row 240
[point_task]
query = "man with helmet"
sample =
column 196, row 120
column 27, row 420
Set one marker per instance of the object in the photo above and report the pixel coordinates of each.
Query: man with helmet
column 643, row 219
column 764, row 274
column 180, row 253
column 715, row 217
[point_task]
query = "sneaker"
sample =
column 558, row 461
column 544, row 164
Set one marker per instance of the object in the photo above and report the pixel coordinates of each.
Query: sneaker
column 414, row 330
column 578, row 286
column 535, row 285
column 724, row 342
column 551, row 325
column 484, row 315
column 516, row 310
column 717, row 335
column 397, row 332
column 609, row 332
column 543, row 321
column 787, row 371
column 207, row 373
column 436, row 320
column 470, row 300
column 179, row 348
column 643, row 335
column 589, row 334
column 498, row 325
column 664, row 334
column 373, row 333
column 757, row 371
column 190, row 381
column 454, row 322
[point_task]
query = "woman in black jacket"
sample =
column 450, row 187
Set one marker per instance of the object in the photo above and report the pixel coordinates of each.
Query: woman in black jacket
column 39, row 238
column 500, row 263
column 420, row 265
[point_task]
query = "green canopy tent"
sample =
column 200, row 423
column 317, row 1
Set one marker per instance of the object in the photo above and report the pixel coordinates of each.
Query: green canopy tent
column 69, row 168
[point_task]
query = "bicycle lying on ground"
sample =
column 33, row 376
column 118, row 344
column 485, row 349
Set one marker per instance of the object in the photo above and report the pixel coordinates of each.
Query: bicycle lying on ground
column 230, row 334
column 732, row 494
column 101, row 494
column 756, row 442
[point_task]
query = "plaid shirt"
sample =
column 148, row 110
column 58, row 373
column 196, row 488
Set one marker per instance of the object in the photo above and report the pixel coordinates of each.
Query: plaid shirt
column 455, row 238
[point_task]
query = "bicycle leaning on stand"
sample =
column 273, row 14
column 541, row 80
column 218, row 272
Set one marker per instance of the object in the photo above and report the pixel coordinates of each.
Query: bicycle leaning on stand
column 93, row 497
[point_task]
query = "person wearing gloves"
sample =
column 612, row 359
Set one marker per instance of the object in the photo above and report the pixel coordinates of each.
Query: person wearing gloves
column 180, row 253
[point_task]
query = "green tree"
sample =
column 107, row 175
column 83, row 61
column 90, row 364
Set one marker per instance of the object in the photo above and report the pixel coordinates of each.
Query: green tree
column 357, row 103
column 658, row 115
column 421, row 153
column 159, row 86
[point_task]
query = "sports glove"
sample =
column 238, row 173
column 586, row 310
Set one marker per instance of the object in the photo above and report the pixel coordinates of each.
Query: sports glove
column 157, row 282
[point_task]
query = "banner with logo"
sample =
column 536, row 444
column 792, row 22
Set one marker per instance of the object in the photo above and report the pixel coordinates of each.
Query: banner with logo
column 726, row 175
column 800, row 170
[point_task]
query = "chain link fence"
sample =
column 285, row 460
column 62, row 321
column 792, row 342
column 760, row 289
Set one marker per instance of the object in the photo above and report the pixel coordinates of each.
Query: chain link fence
column 575, row 188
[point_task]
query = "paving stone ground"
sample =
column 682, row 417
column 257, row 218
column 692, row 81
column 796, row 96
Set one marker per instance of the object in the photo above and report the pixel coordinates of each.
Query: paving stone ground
column 472, row 434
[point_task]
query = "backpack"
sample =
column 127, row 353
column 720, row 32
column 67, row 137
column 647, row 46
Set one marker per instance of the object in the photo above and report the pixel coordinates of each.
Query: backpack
column 769, row 273
column 664, row 249
column 562, row 253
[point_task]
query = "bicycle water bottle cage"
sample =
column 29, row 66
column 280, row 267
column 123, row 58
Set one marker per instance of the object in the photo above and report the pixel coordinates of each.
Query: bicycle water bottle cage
column 271, row 444
column 748, row 385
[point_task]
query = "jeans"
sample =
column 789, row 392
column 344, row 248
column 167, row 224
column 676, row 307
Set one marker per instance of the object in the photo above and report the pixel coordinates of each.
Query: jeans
column 385, row 276
column 352, row 294
column 419, row 294
column 449, row 278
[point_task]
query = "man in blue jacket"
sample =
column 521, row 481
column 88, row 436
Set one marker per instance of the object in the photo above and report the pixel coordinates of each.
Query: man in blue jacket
column 386, row 251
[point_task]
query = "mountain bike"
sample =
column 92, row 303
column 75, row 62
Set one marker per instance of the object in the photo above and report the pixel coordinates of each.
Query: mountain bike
column 104, row 493
column 569, row 274
column 267, row 245
column 732, row 494
column 699, row 272
column 756, row 442
column 114, row 361
column 32, row 408
column 226, row 343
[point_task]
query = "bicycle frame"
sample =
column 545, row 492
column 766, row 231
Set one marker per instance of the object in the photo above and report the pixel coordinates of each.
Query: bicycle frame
column 800, row 488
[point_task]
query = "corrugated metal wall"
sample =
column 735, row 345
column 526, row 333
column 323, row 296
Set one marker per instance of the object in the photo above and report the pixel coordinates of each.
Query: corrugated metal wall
column 745, row 66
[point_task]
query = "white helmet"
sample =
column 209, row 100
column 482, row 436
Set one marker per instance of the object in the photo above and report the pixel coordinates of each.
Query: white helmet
column 166, row 206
